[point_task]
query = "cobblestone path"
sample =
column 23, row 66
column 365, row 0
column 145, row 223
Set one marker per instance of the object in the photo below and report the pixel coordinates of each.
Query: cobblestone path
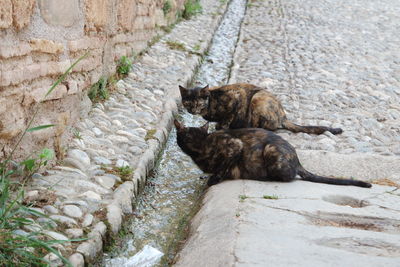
column 332, row 63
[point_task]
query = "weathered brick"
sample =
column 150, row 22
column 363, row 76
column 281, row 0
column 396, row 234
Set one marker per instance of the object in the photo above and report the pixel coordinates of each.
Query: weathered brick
column 138, row 24
column 37, row 94
column 12, row 121
column 142, row 9
column 85, row 43
column 22, row 12
column 5, row 14
column 11, row 77
column 96, row 14
column 60, row 13
column 88, row 64
column 126, row 14
column 72, row 87
column 55, row 68
column 46, row 46
column 149, row 22
column 7, row 51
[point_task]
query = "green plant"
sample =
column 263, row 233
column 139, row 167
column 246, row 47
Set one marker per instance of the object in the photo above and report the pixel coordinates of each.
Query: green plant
column 191, row 8
column 242, row 197
column 124, row 172
column 176, row 45
column 17, row 247
column 76, row 133
column 167, row 7
column 32, row 165
column 196, row 47
column 270, row 197
column 150, row 134
column 124, row 65
column 99, row 91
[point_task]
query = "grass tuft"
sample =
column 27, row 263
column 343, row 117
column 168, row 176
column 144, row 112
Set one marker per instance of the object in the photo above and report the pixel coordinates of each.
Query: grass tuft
column 176, row 45
column 167, row 7
column 18, row 247
column 270, row 197
column 191, row 8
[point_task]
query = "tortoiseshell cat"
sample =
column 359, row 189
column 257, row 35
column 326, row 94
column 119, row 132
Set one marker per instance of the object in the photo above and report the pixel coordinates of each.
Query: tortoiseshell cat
column 248, row 153
column 243, row 105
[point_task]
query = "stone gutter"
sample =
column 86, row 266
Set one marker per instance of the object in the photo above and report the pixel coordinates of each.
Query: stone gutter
column 129, row 129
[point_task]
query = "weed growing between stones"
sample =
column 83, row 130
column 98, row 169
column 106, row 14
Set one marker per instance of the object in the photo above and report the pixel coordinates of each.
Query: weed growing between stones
column 150, row 134
column 242, row 198
column 270, row 197
column 124, row 66
column 167, row 7
column 124, row 172
column 76, row 133
column 176, row 45
column 99, row 91
column 191, row 8
column 23, row 242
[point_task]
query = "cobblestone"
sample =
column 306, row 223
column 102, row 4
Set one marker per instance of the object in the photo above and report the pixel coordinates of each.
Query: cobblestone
column 338, row 69
column 127, row 130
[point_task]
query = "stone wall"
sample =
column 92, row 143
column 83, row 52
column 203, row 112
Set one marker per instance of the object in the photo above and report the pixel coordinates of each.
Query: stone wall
column 39, row 41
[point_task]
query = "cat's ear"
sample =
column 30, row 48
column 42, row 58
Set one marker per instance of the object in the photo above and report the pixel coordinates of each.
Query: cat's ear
column 178, row 125
column 204, row 91
column 183, row 90
column 205, row 127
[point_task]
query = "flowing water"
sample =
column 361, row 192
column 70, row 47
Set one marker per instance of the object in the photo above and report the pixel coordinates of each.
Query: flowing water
column 174, row 190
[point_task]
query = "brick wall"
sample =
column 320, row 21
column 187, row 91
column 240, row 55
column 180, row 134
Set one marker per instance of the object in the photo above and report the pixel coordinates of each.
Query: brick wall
column 39, row 41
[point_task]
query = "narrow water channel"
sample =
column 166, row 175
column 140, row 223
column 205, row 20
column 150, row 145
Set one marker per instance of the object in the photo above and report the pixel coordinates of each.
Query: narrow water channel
column 173, row 192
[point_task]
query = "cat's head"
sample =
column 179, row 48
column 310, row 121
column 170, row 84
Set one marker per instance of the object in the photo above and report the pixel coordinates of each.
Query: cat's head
column 190, row 139
column 195, row 100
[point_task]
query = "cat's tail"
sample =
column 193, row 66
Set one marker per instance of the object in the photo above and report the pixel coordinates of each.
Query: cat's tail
column 288, row 125
column 308, row 176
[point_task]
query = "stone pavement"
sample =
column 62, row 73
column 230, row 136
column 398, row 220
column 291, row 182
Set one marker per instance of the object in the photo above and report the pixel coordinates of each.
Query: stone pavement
column 331, row 63
column 242, row 224
column 92, row 190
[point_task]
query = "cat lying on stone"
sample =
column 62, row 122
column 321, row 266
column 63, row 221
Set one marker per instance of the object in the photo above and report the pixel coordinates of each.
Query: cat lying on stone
column 243, row 105
column 248, row 153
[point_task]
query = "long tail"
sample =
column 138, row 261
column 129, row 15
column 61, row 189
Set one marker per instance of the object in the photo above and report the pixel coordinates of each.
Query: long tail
column 309, row 129
column 308, row 176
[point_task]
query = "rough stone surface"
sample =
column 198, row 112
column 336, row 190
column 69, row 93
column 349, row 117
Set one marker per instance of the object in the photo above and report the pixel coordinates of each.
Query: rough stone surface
column 63, row 219
column 131, row 127
column 87, row 221
column 59, row 13
column 77, row 260
column 22, row 12
column 318, row 225
column 331, row 69
column 5, row 13
column 73, row 211
column 74, row 232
